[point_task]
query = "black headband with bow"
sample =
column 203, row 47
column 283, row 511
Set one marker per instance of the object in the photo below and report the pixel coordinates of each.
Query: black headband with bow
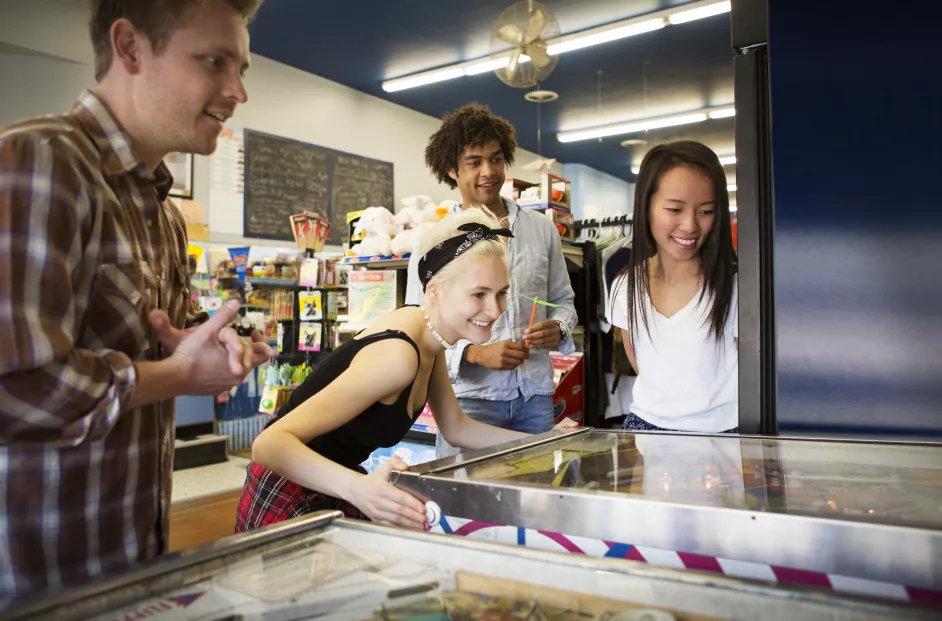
column 453, row 247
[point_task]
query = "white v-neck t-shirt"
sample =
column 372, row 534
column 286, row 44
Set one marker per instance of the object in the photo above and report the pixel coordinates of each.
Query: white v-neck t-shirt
column 687, row 380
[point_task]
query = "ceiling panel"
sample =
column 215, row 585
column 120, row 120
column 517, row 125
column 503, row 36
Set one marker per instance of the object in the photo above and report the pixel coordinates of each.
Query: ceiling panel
column 675, row 69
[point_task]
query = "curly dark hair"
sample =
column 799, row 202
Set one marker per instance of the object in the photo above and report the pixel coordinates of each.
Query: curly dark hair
column 468, row 126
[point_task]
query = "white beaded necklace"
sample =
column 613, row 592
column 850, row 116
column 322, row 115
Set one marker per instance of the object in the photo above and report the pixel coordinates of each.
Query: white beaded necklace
column 438, row 337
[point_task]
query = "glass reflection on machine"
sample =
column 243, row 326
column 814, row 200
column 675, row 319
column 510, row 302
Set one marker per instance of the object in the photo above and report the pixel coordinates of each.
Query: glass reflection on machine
column 326, row 569
column 888, row 484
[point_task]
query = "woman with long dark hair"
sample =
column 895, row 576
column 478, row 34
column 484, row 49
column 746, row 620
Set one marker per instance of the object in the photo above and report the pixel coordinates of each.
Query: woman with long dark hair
column 676, row 301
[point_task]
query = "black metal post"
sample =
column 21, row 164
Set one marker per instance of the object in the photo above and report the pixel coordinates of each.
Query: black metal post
column 757, row 336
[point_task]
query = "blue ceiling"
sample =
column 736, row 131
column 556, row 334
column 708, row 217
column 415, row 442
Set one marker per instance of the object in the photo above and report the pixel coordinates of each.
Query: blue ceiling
column 361, row 44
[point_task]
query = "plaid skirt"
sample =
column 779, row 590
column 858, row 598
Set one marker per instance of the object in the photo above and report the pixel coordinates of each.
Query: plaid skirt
column 268, row 498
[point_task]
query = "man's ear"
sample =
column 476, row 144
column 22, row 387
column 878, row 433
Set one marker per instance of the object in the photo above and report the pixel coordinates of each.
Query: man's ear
column 453, row 174
column 127, row 45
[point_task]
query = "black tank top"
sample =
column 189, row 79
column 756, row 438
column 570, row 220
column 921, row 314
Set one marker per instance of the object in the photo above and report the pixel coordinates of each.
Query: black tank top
column 380, row 425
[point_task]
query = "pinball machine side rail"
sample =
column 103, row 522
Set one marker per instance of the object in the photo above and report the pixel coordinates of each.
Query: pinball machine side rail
column 897, row 554
column 165, row 573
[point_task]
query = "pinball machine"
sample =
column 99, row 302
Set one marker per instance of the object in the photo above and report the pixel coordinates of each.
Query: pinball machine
column 847, row 516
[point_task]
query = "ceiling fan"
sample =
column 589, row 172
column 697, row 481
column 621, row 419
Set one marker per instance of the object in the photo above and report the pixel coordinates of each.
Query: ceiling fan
column 525, row 26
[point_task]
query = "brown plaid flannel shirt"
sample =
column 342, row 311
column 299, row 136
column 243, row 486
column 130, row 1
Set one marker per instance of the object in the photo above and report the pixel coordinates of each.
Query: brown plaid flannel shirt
column 90, row 246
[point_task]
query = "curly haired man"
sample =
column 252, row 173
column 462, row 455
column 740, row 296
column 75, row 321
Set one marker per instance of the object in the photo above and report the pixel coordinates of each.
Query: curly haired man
column 504, row 382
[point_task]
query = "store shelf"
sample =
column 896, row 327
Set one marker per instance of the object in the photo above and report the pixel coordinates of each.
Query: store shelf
column 271, row 282
column 346, row 326
column 574, row 254
column 381, row 264
column 543, row 206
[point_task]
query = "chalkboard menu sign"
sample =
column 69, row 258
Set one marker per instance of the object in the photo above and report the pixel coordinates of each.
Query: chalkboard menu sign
column 357, row 183
column 284, row 176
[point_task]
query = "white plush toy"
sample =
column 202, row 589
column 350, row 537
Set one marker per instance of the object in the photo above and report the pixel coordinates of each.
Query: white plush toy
column 407, row 218
column 450, row 206
column 422, row 222
column 377, row 224
column 414, row 218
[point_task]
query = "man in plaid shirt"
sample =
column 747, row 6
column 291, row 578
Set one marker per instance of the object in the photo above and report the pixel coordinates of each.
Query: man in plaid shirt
column 94, row 294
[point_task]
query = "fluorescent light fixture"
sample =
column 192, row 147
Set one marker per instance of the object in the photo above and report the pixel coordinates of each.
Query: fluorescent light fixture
column 422, row 79
column 635, row 170
column 487, row 65
column 639, row 125
column 631, row 128
column 723, row 113
column 731, row 187
column 566, row 43
column 689, row 15
column 729, row 160
column 613, row 34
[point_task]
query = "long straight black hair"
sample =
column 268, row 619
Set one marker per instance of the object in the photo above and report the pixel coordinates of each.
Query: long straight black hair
column 717, row 255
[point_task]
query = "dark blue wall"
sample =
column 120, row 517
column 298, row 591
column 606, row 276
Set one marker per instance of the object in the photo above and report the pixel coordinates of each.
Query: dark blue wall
column 856, row 133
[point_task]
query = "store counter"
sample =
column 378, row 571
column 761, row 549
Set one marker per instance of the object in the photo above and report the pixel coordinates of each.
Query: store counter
column 330, row 569
column 849, row 516
column 206, row 481
column 203, row 502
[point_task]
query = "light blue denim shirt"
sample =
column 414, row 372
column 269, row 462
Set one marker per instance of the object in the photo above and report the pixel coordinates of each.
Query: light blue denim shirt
column 537, row 270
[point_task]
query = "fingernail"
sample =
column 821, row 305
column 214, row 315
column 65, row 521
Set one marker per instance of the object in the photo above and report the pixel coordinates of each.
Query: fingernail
column 233, row 304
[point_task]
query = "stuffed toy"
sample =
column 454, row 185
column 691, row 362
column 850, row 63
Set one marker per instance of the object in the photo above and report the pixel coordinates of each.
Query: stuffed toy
column 377, row 225
column 415, row 218
column 407, row 220
column 448, row 206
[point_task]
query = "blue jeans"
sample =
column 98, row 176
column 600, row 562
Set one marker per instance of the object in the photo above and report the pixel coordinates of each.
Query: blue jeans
column 533, row 416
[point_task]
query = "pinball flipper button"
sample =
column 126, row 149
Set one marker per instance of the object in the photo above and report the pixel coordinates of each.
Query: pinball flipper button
column 433, row 513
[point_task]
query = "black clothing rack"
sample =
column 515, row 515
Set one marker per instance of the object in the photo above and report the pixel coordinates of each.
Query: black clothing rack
column 594, row 223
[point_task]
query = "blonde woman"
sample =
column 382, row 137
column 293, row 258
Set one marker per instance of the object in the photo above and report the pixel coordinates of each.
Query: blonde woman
column 368, row 392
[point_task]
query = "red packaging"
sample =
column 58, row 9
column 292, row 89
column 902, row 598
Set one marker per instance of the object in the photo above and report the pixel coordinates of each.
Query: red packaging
column 568, row 399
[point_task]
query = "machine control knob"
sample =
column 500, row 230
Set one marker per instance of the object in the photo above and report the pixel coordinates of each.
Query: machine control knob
column 433, row 513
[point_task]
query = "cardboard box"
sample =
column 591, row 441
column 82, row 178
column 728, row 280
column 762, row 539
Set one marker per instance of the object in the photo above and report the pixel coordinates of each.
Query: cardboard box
column 565, row 225
column 552, row 192
column 197, row 232
column 557, row 190
column 569, row 377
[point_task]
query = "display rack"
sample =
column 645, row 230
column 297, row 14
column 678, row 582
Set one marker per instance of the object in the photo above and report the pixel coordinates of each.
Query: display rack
column 573, row 253
column 256, row 281
column 595, row 223
column 555, row 192
column 381, row 264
